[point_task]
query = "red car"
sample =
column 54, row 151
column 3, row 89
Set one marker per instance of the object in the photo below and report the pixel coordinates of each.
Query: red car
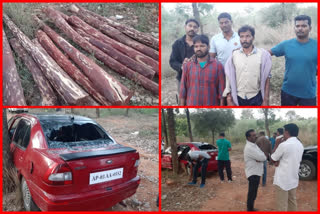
column 184, row 148
column 69, row 162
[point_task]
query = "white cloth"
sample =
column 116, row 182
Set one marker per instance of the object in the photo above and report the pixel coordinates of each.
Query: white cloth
column 194, row 155
column 289, row 153
column 280, row 136
column 223, row 47
column 253, row 159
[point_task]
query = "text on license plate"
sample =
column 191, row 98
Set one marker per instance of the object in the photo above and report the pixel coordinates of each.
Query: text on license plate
column 109, row 175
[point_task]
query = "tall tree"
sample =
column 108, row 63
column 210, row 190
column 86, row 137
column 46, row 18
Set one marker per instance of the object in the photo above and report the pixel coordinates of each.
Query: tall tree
column 127, row 112
column 164, row 128
column 189, row 124
column 247, row 114
column 291, row 115
column 173, row 141
column 196, row 15
column 97, row 112
column 211, row 121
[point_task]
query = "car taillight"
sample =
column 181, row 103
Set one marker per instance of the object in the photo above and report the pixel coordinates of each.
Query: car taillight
column 136, row 164
column 60, row 174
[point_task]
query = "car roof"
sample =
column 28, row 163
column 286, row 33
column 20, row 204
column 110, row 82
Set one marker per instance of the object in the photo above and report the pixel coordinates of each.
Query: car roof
column 61, row 117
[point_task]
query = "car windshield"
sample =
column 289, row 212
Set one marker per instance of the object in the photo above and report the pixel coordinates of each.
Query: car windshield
column 62, row 134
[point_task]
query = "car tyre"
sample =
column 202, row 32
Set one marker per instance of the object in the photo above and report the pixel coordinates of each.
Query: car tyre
column 307, row 170
column 28, row 202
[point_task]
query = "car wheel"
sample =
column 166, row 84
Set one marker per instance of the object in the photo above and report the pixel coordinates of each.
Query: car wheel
column 307, row 170
column 28, row 202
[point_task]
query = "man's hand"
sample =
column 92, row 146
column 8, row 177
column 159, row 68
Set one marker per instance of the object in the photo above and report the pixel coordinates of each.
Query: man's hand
column 229, row 100
column 265, row 102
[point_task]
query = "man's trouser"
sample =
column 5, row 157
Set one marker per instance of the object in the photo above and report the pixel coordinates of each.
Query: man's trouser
column 254, row 181
column 286, row 200
column 264, row 176
column 203, row 163
column 221, row 165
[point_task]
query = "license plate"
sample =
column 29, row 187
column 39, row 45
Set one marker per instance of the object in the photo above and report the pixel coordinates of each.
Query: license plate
column 104, row 176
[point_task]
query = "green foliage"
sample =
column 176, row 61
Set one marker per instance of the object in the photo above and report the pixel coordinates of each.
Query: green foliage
column 181, row 126
column 278, row 14
column 247, row 114
column 208, row 122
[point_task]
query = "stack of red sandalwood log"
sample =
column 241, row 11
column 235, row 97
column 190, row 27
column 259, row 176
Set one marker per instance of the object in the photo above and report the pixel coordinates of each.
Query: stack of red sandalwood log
column 60, row 69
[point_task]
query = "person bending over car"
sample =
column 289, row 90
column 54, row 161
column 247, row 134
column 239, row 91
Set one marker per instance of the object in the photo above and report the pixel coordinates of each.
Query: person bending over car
column 197, row 159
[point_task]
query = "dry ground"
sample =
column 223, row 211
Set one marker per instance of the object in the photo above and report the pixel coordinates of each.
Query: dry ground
column 229, row 196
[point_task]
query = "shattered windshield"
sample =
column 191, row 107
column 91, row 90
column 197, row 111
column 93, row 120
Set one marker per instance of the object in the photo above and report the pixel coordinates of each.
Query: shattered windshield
column 68, row 134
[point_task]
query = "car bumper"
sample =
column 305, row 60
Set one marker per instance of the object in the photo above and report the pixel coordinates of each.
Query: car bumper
column 94, row 200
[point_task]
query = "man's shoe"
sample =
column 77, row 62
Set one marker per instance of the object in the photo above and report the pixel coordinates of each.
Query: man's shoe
column 202, row 185
column 254, row 210
column 221, row 181
column 192, row 183
column 229, row 181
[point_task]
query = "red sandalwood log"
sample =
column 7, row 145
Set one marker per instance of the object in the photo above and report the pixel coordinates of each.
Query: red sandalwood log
column 12, row 89
column 69, row 91
column 116, row 34
column 68, row 67
column 48, row 96
column 105, row 84
column 107, row 60
column 129, row 31
column 94, row 33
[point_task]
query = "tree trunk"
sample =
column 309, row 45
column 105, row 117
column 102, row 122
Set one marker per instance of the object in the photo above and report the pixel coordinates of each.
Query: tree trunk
column 196, row 15
column 266, row 121
column 107, row 60
column 117, row 55
column 116, row 34
column 164, row 128
column 173, row 141
column 212, row 132
column 69, row 91
column 105, row 84
column 98, row 112
column 12, row 89
column 132, row 53
column 7, row 158
column 48, row 95
column 127, row 112
column 133, row 33
column 189, row 125
column 68, row 67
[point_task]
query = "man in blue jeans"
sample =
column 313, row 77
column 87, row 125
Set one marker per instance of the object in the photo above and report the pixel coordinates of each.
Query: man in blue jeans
column 300, row 77
column 198, row 159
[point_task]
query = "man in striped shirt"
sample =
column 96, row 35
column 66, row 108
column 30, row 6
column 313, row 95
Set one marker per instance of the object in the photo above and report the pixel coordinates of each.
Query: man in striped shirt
column 203, row 79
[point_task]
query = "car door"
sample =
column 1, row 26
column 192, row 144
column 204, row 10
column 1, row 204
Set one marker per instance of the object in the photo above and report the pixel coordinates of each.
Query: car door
column 19, row 144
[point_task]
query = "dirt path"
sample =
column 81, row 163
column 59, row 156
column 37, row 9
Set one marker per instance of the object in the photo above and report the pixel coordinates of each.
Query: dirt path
column 231, row 196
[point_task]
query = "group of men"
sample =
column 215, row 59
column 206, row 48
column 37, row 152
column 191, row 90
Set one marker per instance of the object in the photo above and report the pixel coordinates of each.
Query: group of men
column 286, row 156
column 230, row 67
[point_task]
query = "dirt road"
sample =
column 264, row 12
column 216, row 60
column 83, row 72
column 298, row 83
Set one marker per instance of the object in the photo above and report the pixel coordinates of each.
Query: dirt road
column 230, row 196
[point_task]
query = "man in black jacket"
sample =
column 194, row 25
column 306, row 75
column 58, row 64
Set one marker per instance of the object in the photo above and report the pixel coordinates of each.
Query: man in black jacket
column 182, row 49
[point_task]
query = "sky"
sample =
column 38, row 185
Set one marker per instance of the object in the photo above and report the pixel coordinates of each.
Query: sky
column 303, row 112
column 238, row 7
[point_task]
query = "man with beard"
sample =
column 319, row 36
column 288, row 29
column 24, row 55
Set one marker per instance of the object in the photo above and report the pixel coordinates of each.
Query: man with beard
column 182, row 49
column 300, row 82
column 222, row 44
column 202, row 81
column 248, row 73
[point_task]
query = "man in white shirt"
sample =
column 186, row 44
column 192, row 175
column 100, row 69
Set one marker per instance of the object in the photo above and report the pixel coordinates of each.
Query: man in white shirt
column 286, row 178
column 253, row 158
column 222, row 44
column 197, row 159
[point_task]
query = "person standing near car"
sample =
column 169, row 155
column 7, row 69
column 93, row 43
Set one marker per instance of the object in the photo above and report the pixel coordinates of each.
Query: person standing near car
column 198, row 159
column 286, row 177
column 253, row 158
column 224, row 146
